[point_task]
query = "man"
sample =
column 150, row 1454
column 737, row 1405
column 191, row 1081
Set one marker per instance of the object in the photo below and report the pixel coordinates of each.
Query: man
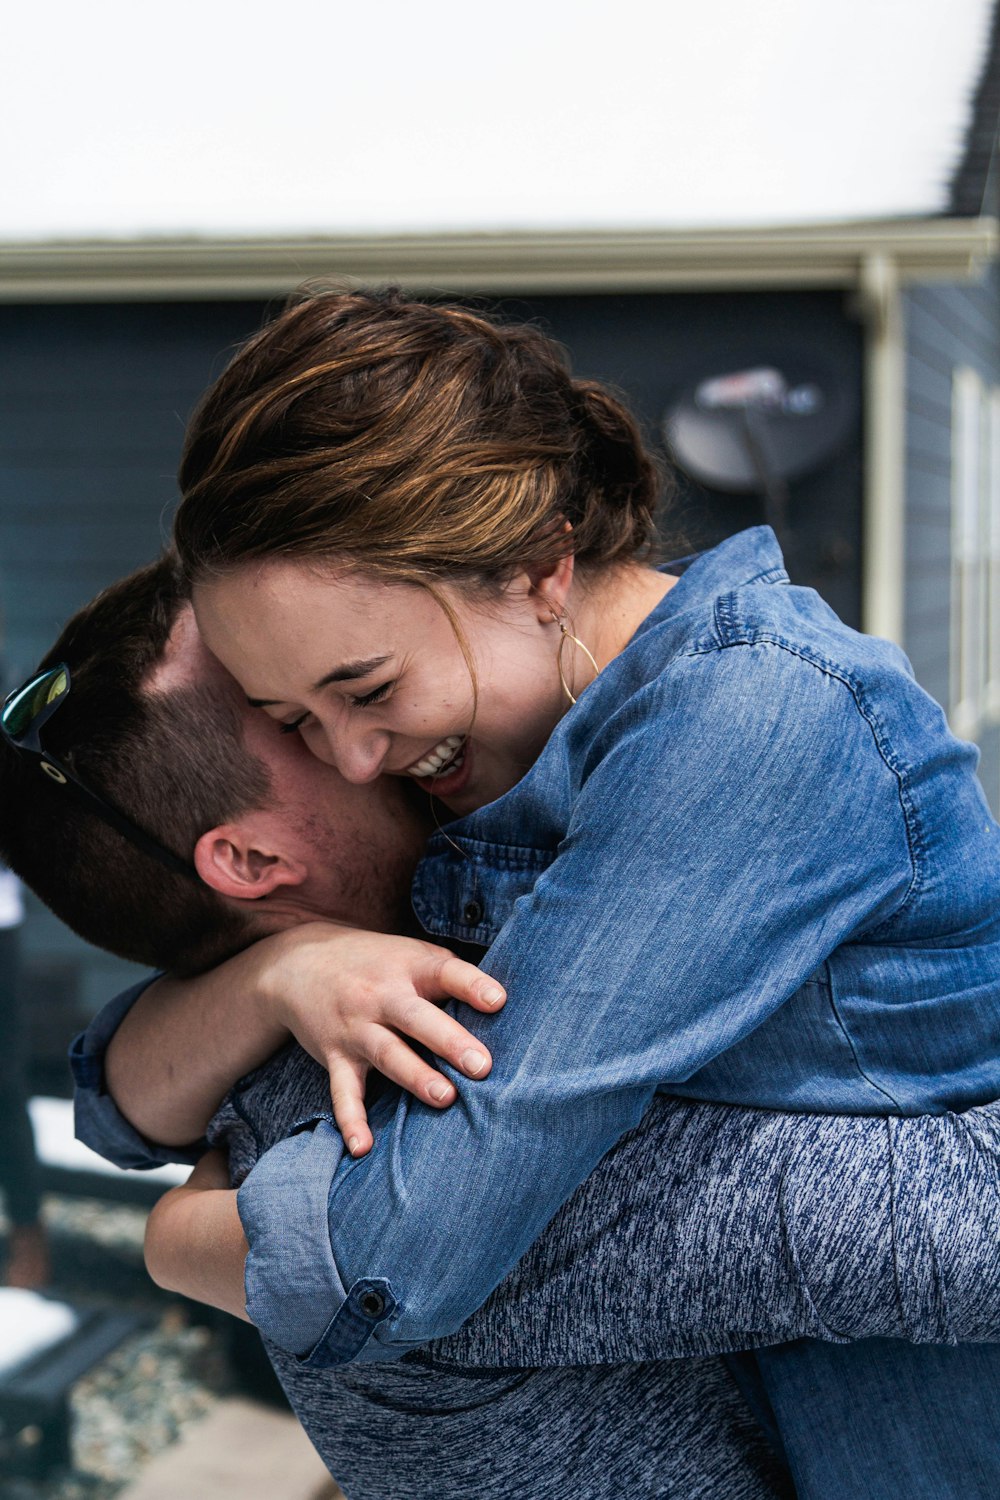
column 151, row 724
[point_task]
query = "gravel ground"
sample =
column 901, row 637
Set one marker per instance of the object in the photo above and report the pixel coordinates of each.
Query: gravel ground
column 164, row 1377
column 113, row 1226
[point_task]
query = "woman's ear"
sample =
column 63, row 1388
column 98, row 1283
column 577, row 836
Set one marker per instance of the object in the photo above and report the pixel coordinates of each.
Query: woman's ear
column 229, row 860
column 550, row 587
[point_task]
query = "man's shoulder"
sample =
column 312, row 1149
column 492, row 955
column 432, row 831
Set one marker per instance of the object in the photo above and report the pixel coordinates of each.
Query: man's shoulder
column 265, row 1106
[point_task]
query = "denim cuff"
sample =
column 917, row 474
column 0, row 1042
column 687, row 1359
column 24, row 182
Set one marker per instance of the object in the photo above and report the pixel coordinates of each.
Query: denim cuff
column 295, row 1294
column 99, row 1123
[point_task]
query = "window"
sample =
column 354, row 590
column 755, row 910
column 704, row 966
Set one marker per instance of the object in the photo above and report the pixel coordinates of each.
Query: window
column 992, row 489
column 975, row 555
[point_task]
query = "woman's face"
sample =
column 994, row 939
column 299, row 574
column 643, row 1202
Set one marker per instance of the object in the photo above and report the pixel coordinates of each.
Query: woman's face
column 373, row 677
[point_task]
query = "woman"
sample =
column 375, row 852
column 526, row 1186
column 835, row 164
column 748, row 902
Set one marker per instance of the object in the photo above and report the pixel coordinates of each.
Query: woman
column 751, row 866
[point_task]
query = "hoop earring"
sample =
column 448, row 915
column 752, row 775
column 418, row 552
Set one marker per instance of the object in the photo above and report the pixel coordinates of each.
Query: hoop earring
column 565, row 634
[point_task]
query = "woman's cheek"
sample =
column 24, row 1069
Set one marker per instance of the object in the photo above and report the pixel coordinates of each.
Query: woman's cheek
column 316, row 741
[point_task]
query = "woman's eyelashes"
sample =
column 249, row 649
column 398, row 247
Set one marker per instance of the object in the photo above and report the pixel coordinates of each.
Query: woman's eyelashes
column 375, row 696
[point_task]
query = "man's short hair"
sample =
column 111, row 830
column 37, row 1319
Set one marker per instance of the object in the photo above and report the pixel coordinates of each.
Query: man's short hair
column 174, row 761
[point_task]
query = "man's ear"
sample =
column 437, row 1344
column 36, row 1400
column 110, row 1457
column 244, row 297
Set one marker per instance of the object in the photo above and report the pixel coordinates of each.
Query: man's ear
column 229, row 860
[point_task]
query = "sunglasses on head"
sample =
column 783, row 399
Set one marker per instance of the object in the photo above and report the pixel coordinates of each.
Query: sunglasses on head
column 24, row 715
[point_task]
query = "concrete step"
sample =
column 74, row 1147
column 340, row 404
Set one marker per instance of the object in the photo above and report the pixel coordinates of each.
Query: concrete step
column 241, row 1451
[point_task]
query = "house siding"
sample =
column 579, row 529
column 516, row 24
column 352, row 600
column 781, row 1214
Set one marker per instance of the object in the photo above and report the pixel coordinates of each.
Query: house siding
column 93, row 404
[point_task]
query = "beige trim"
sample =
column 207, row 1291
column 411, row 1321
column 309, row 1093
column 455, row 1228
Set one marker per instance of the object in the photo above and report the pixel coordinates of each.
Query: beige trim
column 569, row 261
column 884, row 505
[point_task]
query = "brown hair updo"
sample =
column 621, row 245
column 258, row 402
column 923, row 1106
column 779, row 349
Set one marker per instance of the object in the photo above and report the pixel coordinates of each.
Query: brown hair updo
column 419, row 442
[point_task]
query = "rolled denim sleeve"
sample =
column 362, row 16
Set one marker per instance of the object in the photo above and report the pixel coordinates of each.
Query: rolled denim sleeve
column 99, row 1123
column 702, row 880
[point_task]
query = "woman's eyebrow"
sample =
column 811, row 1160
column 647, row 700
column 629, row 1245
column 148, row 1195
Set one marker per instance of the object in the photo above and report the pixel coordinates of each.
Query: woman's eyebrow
column 350, row 670
column 347, row 673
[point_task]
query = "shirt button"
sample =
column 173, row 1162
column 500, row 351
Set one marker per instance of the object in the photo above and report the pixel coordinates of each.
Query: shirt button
column 373, row 1303
column 473, row 913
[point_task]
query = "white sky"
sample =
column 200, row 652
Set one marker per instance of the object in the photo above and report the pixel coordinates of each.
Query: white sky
column 119, row 118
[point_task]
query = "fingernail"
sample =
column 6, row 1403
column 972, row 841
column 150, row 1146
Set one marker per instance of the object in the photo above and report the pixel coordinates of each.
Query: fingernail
column 440, row 1091
column 354, row 1145
column 492, row 997
column 472, row 1062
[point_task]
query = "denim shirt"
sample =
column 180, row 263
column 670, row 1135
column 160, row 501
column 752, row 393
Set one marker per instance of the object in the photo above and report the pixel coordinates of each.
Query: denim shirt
column 752, row 865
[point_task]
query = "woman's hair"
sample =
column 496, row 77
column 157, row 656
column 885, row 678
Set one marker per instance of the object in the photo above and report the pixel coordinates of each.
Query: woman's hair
column 422, row 442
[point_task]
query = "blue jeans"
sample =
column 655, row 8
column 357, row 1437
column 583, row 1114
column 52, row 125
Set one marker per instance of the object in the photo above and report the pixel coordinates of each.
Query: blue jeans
column 880, row 1419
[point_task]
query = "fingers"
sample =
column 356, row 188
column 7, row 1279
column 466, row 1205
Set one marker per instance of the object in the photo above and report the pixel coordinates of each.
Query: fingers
column 395, row 1059
column 445, row 1037
column 465, row 982
column 347, row 1095
column 375, row 1033
column 392, row 1055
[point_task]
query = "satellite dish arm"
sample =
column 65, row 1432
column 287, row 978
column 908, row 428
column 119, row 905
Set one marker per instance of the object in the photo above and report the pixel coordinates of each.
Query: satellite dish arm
column 773, row 488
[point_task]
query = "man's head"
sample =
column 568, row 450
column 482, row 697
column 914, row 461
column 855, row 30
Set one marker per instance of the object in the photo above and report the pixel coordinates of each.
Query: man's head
column 154, row 725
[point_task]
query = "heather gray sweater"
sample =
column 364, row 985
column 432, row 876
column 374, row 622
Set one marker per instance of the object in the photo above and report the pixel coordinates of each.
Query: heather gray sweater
column 552, row 1390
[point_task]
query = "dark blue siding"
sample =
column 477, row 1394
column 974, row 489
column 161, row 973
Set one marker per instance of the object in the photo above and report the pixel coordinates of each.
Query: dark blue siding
column 93, row 402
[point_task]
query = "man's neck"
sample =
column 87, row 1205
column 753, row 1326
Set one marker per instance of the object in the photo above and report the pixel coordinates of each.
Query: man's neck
column 293, row 907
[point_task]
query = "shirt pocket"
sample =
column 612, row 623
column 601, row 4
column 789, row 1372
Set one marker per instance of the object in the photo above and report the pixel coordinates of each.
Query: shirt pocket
column 469, row 893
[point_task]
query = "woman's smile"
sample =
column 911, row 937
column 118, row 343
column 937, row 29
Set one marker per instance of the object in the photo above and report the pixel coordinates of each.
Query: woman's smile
column 438, row 762
column 452, row 777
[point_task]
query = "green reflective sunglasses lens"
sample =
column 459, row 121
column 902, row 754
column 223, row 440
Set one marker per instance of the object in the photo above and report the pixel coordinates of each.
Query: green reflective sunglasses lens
column 23, row 708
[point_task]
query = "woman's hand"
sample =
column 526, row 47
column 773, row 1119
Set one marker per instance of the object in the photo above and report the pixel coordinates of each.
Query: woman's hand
column 351, row 998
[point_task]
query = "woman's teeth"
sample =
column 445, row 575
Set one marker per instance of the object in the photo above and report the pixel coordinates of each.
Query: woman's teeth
column 444, row 756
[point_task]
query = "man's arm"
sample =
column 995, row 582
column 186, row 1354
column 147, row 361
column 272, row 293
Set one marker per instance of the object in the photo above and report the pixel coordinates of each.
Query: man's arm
column 592, row 1288
column 706, row 1230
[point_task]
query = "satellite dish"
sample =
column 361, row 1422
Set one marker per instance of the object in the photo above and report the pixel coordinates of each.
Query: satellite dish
column 750, row 431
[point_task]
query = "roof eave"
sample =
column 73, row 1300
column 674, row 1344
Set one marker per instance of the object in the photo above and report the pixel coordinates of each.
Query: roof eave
column 496, row 263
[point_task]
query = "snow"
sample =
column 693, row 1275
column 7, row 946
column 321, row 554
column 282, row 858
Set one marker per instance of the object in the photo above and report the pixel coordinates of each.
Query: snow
column 210, row 118
column 52, row 1124
column 30, row 1324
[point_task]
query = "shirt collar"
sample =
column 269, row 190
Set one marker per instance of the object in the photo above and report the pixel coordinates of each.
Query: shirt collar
column 751, row 556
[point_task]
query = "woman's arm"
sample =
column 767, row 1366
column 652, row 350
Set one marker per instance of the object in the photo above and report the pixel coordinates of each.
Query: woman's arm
column 195, row 1243
column 184, row 1043
column 700, row 884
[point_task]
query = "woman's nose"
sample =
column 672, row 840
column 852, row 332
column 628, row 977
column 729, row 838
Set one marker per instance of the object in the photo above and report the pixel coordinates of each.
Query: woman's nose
column 358, row 759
